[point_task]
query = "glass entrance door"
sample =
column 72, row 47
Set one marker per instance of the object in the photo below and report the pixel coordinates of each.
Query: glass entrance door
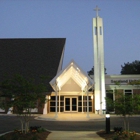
column 71, row 104
column 74, row 104
column 67, row 104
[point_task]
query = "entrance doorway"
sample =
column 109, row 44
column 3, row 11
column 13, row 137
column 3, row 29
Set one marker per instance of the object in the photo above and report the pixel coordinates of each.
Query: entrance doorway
column 71, row 104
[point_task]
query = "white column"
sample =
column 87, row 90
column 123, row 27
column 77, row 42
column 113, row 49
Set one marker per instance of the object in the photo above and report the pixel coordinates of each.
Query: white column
column 10, row 110
column 45, row 106
column 87, row 102
column 82, row 101
column 59, row 101
column 56, row 113
column 99, row 74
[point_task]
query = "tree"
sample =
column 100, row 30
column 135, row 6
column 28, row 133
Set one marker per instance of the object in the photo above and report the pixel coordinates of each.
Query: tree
column 91, row 72
column 131, row 68
column 125, row 105
column 22, row 96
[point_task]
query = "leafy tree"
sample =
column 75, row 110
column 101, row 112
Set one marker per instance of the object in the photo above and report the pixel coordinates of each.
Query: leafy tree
column 131, row 68
column 22, row 96
column 125, row 105
column 91, row 72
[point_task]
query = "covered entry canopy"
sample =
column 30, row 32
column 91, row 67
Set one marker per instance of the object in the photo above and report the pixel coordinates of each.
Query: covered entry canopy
column 72, row 70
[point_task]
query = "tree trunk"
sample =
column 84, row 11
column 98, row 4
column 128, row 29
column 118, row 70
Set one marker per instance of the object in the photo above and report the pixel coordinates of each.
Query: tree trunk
column 128, row 124
column 22, row 123
column 125, row 123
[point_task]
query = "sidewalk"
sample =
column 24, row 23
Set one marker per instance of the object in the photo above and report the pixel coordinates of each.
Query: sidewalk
column 71, row 117
column 76, row 117
column 74, row 135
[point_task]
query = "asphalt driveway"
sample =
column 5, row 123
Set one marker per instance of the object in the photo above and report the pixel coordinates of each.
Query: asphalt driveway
column 11, row 122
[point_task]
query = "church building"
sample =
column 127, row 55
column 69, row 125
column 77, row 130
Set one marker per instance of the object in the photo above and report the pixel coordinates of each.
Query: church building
column 70, row 89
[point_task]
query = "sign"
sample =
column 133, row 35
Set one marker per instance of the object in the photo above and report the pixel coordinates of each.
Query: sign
column 124, row 81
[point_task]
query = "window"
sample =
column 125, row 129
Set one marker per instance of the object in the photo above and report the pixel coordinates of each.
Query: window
column 128, row 95
column 109, row 94
column 128, row 100
column 84, row 103
column 100, row 30
column 95, row 30
column 110, row 99
column 128, row 92
column 53, row 103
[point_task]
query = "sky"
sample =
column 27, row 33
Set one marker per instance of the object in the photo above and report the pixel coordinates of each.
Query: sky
column 72, row 19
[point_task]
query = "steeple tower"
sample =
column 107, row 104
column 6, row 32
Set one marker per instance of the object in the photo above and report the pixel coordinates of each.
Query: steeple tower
column 99, row 73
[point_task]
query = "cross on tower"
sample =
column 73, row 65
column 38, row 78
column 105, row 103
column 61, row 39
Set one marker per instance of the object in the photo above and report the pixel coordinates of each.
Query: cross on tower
column 97, row 9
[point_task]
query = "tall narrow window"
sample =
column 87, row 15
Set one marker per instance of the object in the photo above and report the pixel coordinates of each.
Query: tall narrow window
column 100, row 30
column 128, row 100
column 95, row 30
column 110, row 99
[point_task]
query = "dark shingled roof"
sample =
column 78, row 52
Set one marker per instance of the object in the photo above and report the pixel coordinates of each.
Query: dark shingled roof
column 31, row 57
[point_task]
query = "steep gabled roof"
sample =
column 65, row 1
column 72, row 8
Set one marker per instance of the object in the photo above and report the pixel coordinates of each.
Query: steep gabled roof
column 31, row 57
column 72, row 70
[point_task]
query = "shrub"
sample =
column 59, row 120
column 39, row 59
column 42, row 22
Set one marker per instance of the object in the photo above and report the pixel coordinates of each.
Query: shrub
column 39, row 130
column 118, row 129
column 2, row 138
column 34, row 128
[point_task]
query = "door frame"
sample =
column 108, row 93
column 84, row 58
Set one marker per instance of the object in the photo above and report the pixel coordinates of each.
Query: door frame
column 70, row 97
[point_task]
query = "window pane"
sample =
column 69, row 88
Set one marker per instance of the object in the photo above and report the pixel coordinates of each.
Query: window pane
column 84, row 103
column 52, row 97
column 79, row 109
column 79, row 97
column 90, row 103
column 79, row 103
column 62, row 98
column 61, row 109
column 61, row 103
column 52, row 109
column 90, row 109
column 52, row 103
column 84, row 97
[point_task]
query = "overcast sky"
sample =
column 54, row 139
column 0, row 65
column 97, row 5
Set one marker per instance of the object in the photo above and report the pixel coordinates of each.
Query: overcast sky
column 72, row 19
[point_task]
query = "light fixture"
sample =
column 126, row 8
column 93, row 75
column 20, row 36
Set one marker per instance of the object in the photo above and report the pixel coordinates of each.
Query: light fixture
column 107, row 115
column 48, row 97
column 107, row 123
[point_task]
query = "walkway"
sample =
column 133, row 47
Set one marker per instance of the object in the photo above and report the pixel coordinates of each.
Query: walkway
column 71, row 117
column 73, row 135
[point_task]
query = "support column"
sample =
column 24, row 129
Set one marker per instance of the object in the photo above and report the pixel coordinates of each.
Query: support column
column 82, row 101
column 99, row 73
column 56, row 113
column 59, row 101
column 87, row 102
column 45, row 106
column 10, row 110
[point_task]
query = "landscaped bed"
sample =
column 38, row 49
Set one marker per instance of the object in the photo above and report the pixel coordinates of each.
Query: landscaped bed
column 33, row 134
column 119, row 135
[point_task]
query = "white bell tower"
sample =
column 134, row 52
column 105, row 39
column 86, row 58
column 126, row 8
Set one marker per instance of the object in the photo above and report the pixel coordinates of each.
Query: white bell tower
column 99, row 69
